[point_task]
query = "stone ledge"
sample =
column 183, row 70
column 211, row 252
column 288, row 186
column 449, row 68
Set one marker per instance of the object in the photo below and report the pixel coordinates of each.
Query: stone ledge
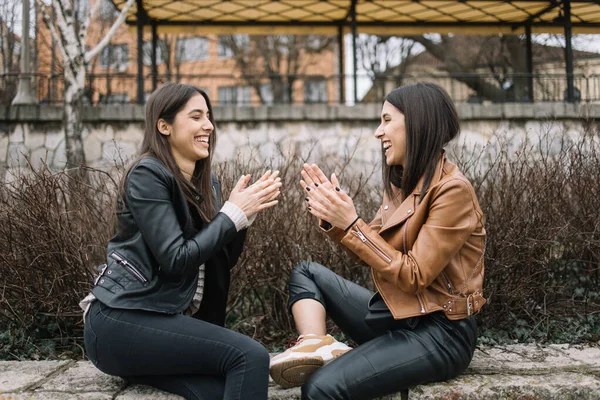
column 500, row 372
column 308, row 112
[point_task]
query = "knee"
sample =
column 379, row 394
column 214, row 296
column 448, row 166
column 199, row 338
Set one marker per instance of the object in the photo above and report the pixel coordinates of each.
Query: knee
column 257, row 355
column 306, row 269
column 248, row 354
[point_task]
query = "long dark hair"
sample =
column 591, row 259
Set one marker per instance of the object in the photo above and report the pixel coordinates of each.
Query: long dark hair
column 431, row 122
column 164, row 104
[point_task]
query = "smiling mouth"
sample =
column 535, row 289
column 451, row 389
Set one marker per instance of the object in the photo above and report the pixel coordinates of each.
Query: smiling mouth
column 201, row 139
column 386, row 146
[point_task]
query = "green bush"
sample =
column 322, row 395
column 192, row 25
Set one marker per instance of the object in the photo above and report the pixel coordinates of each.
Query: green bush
column 541, row 199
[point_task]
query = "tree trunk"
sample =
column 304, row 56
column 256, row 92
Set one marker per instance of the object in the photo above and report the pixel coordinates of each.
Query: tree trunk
column 73, row 105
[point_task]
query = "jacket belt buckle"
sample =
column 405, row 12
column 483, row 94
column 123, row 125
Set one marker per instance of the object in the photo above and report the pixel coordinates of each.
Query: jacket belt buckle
column 100, row 274
column 470, row 304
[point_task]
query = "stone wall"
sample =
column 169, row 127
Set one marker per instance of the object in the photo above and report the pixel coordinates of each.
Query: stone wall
column 114, row 134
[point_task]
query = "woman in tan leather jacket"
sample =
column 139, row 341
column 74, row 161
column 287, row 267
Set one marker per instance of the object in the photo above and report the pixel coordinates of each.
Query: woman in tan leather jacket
column 425, row 249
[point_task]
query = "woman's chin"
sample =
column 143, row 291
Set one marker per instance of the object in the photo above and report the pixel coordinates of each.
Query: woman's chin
column 202, row 155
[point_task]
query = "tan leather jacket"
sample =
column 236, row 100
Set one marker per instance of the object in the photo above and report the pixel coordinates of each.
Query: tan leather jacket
column 425, row 255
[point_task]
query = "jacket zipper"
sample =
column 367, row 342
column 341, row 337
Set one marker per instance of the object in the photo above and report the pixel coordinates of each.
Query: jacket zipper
column 405, row 252
column 404, row 237
column 129, row 266
column 100, row 274
column 447, row 282
column 366, row 241
column 421, row 304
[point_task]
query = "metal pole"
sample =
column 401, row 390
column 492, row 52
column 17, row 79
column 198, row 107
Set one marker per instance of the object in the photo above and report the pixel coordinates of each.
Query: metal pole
column 341, row 62
column 529, row 56
column 569, row 52
column 52, row 87
column 36, row 80
column 354, row 57
column 24, row 95
column 154, row 66
column 140, row 55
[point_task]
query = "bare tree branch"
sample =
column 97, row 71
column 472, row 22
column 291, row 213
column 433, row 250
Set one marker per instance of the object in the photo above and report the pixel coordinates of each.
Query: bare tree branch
column 88, row 18
column 52, row 29
column 111, row 32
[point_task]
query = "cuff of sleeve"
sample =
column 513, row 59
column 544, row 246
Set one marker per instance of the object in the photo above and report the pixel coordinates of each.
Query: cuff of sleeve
column 252, row 219
column 334, row 233
column 236, row 215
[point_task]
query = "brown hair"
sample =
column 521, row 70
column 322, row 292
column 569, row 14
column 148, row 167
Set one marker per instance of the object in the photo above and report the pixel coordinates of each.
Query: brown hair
column 164, row 104
column 431, row 122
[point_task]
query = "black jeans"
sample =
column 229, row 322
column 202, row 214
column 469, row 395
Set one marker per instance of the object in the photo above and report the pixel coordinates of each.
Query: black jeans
column 417, row 350
column 176, row 353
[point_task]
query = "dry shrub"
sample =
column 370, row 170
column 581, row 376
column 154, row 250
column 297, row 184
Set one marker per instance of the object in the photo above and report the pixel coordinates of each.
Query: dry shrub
column 542, row 207
column 541, row 200
column 53, row 229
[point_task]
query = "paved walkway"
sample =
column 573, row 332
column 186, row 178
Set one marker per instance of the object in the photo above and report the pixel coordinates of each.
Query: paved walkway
column 503, row 372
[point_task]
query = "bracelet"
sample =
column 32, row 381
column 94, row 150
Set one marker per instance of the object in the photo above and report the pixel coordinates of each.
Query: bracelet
column 353, row 222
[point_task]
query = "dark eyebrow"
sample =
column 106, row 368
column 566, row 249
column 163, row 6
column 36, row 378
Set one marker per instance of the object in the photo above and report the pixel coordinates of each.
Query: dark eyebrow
column 197, row 110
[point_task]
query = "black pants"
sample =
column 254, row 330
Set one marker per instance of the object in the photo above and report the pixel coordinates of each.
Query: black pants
column 176, row 353
column 418, row 350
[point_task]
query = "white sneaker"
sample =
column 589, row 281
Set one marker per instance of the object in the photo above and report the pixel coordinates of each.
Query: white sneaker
column 294, row 366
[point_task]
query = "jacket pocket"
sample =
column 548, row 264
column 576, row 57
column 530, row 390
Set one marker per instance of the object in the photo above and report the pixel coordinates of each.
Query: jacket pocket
column 129, row 267
column 447, row 282
column 358, row 233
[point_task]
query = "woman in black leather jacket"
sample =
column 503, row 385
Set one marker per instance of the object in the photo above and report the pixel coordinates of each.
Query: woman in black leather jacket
column 156, row 313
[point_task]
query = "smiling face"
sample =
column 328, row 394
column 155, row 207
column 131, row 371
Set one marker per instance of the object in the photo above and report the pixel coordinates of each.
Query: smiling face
column 189, row 134
column 392, row 133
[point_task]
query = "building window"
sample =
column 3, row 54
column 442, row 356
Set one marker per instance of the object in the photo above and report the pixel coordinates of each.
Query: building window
column 115, row 56
column 235, row 95
column 192, row 49
column 316, row 42
column 107, row 10
column 280, row 43
column 161, row 52
column 315, row 91
column 224, row 47
column 266, row 93
column 115, row 98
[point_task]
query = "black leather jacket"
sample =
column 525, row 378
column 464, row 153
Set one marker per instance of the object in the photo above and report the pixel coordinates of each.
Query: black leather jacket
column 153, row 260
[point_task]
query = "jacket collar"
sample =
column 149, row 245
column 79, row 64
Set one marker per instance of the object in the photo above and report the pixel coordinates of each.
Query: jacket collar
column 397, row 215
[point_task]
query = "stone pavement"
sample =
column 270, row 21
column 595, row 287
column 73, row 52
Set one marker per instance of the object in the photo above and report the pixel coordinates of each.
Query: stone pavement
column 527, row 372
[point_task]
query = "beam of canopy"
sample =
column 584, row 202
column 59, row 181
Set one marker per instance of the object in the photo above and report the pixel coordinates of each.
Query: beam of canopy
column 384, row 17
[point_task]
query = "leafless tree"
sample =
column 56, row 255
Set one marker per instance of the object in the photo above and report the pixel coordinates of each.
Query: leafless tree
column 378, row 55
column 9, row 48
column 462, row 56
column 70, row 36
column 275, row 60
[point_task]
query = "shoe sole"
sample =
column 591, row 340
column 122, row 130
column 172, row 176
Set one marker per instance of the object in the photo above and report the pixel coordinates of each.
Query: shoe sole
column 295, row 372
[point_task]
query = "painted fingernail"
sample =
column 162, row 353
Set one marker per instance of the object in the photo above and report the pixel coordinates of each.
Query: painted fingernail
column 316, row 184
column 309, row 208
column 306, row 198
column 307, row 188
column 337, row 188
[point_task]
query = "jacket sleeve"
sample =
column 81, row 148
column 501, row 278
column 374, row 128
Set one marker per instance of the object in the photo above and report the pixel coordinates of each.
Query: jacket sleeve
column 234, row 248
column 337, row 234
column 149, row 197
column 451, row 219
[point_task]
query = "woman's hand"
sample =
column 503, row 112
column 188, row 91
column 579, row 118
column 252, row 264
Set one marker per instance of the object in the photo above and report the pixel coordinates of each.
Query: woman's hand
column 326, row 200
column 258, row 196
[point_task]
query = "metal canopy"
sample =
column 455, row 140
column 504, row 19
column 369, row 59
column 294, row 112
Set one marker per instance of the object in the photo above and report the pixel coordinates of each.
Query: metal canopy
column 384, row 17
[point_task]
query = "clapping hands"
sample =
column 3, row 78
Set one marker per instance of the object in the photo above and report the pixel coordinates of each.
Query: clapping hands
column 257, row 197
column 326, row 200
